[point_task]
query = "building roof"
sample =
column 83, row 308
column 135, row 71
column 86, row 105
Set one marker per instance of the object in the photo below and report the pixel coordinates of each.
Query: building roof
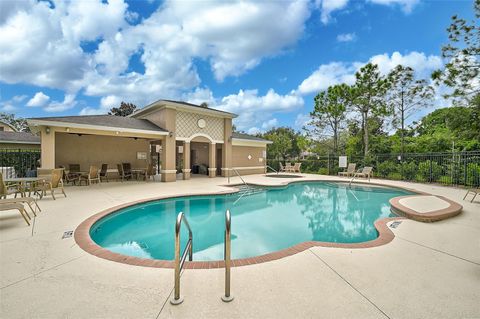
column 19, row 137
column 9, row 125
column 102, row 120
column 182, row 104
column 244, row 136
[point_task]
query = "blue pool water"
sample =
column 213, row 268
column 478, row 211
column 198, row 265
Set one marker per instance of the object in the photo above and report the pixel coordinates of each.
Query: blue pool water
column 271, row 220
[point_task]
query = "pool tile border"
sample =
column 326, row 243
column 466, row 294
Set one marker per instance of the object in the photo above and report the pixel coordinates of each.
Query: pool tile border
column 84, row 241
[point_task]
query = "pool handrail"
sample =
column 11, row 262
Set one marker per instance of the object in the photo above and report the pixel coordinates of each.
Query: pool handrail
column 227, row 256
column 272, row 169
column 179, row 262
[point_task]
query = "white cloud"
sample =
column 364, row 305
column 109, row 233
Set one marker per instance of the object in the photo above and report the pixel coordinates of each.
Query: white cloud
column 327, row 75
column 42, row 44
column 57, row 106
column 302, row 120
column 329, row 6
column 39, row 99
column 343, row 72
column 406, row 5
column 12, row 104
column 269, row 124
column 255, row 110
column 346, row 37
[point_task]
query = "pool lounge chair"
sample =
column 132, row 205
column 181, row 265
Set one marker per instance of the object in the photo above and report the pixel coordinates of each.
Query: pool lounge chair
column 15, row 206
column 282, row 168
column 288, row 167
column 10, row 189
column 474, row 191
column 350, row 170
column 366, row 172
column 27, row 200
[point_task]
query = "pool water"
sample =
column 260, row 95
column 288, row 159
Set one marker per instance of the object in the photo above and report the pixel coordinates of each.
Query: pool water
column 270, row 220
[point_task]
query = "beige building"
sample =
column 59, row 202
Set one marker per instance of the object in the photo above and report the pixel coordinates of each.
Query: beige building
column 11, row 139
column 175, row 137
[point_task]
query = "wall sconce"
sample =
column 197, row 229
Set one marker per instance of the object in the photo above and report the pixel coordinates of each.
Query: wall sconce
column 67, row 129
column 170, row 134
column 47, row 130
column 117, row 132
column 230, row 138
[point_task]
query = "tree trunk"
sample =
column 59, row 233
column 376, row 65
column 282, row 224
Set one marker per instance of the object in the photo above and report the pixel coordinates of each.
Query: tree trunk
column 335, row 138
column 365, row 132
column 402, row 112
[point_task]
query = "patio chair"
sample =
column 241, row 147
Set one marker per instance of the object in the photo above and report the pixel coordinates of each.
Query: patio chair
column 69, row 177
column 15, row 206
column 73, row 168
column 288, row 167
column 92, row 176
column 27, row 200
column 350, row 170
column 282, row 168
column 122, row 174
column 104, row 172
column 366, row 172
column 51, row 183
column 127, row 168
column 296, row 168
column 474, row 191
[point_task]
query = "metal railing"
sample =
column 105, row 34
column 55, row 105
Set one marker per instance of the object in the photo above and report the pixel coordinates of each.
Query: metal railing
column 273, row 169
column 447, row 168
column 179, row 261
column 238, row 174
column 227, row 256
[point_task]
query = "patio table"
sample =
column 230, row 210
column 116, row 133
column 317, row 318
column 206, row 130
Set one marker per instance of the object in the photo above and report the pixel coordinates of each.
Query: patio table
column 23, row 181
column 138, row 171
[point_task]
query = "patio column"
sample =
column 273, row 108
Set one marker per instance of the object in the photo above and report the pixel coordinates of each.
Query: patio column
column 47, row 148
column 169, row 172
column 186, row 160
column 212, row 169
column 227, row 148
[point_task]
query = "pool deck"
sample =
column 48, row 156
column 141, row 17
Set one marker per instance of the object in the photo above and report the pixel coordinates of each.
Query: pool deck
column 428, row 270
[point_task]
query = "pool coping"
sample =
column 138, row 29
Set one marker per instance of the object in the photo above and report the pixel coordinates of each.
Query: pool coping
column 84, row 241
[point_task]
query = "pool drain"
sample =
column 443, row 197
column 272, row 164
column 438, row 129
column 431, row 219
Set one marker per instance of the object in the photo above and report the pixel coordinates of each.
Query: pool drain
column 67, row 234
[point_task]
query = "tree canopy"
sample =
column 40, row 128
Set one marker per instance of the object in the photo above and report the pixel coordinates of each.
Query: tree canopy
column 125, row 109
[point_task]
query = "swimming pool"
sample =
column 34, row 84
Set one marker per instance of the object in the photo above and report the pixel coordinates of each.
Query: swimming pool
column 272, row 219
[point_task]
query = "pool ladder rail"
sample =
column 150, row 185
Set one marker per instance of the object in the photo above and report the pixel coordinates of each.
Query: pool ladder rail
column 179, row 262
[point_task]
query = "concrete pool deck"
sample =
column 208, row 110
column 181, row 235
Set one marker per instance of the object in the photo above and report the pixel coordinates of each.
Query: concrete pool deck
column 429, row 270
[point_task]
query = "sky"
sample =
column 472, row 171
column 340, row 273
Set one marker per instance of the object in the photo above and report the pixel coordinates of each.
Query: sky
column 263, row 60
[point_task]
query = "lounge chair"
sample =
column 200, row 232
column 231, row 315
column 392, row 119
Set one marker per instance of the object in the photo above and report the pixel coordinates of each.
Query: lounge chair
column 366, row 172
column 282, row 168
column 122, row 174
column 350, row 170
column 296, row 167
column 27, row 200
column 12, row 206
column 51, row 183
column 92, row 176
column 10, row 189
column 104, row 172
column 474, row 191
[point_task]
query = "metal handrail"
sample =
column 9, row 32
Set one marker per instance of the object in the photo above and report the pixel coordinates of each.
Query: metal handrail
column 273, row 169
column 179, row 262
column 227, row 256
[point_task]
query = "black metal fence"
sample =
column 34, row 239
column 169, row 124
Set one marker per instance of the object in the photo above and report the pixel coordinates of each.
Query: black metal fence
column 18, row 162
column 454, row 168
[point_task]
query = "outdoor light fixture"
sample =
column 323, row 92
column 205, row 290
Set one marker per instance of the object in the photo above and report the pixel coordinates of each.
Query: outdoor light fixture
column 67, row 129
column 170, row 134
column 230, row 138
column 47, row 130
column 117, row 132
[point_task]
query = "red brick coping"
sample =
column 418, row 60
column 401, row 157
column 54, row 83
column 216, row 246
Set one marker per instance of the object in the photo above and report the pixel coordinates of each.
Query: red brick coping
column 84, row 241
column 452, row 210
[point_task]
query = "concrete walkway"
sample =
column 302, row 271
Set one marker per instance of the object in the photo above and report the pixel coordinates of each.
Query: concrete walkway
column 427, row 271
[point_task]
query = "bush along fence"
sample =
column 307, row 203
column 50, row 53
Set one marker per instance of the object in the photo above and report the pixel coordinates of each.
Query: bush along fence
column 18, row 162
column 454, row 168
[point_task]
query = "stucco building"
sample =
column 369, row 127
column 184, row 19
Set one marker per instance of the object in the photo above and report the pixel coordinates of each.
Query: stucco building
column 175, row 137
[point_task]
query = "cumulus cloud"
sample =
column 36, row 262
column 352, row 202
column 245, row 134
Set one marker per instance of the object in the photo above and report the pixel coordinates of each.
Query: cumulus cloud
column 256, row 110
column 60, row 106
column 346, row 37
column 12, row 104
column 39, row 99
column 406, row 5
column 329, row 6
column 344, row 72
